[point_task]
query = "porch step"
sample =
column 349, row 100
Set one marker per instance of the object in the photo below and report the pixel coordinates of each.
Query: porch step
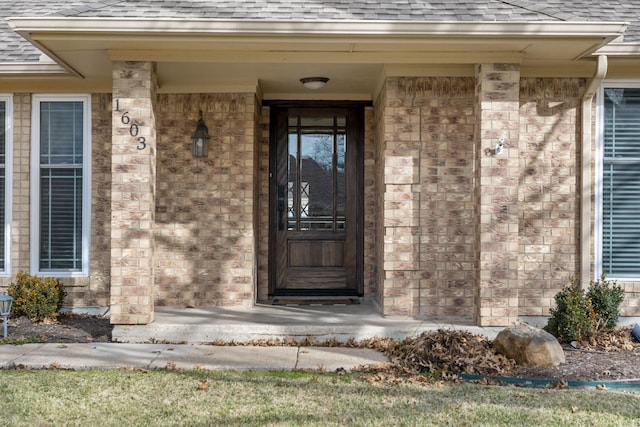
column 268, row 322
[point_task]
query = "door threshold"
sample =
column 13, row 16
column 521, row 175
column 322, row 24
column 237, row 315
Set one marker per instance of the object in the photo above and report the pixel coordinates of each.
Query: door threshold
column 310, row 300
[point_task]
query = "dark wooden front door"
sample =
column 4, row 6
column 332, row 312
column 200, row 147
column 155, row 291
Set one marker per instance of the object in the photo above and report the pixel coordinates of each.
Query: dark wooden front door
column 316, row 199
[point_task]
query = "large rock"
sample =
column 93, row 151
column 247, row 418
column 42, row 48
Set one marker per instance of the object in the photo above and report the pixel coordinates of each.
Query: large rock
column 636, row 332
column 529, row 346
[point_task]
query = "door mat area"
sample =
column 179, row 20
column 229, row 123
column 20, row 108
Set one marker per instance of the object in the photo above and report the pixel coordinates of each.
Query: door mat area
column 315, row 301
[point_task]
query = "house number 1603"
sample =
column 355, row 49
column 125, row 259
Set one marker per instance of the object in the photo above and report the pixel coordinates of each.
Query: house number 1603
column 134, row 129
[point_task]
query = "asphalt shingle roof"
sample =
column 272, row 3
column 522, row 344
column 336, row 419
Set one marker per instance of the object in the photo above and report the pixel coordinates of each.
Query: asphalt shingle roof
column 13, row 48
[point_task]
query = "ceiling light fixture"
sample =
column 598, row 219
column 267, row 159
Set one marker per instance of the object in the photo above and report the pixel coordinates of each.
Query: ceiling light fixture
column 314, row 82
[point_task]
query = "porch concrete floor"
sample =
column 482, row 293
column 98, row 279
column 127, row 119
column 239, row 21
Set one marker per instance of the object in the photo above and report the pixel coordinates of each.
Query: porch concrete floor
column 264, row 322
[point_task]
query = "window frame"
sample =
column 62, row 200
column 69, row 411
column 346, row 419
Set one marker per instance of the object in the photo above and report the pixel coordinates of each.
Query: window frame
column 599, row 177
column 35, row 184
column 8, row 182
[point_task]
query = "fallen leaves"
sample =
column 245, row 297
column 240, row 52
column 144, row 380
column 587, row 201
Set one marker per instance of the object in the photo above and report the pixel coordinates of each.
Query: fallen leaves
column 558, row 385
column 446, row 351
column 618, row 339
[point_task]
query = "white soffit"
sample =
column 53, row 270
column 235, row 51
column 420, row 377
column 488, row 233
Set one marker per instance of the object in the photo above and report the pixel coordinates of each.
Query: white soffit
column 195, row 37
column 86, row 46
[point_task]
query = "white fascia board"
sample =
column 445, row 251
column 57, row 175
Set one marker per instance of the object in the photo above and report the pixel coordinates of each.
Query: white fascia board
column 625, row 50
column 30, row 25
column 31, row 68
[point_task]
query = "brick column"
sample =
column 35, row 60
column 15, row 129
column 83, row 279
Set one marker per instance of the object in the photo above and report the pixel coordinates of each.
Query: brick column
column 496, row 193
column 133, row 192
column 399, row 213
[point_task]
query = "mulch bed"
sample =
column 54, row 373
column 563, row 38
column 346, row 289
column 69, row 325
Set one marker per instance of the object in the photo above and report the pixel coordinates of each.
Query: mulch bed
column 67, row 328
column 613, row 356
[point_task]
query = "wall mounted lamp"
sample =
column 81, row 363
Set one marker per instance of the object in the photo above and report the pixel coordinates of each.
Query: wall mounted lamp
column 314, row 82
column 200, row 139
column 5, row 309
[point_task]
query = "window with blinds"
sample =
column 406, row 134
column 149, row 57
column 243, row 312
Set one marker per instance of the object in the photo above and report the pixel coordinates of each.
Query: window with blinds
column 62, row 143
column 620, row 196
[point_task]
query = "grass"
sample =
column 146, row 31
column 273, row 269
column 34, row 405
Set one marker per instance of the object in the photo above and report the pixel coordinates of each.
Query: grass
column 199, row 398
column 28, row 339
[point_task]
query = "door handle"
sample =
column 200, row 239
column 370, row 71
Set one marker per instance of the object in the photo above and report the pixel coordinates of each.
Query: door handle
column 280, row 214
column 280, row 207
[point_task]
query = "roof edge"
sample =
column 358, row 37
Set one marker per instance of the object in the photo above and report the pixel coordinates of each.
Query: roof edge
column 625, row 50
column 29, row 25
column 31, row 68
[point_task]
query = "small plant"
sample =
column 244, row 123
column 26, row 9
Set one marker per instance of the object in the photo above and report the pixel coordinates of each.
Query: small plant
column 38, row 298
column 29, row 339
column 573, row 318
column 606, row 298
column 580, row 315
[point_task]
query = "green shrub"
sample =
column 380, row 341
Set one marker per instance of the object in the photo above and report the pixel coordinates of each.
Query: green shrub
column 38, row 298
column 580, row 315
column 606, row 298
column 573, row 318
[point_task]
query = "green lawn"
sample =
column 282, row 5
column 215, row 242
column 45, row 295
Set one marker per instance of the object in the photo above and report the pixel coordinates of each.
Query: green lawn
column 197, row 398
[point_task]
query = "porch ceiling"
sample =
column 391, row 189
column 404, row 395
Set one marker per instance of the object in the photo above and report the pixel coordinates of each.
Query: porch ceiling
column 271, row 56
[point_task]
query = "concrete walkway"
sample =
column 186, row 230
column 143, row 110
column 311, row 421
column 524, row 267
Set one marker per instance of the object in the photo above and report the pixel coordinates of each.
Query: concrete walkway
column 182, row 338
column 265, row 322
column 183, row 356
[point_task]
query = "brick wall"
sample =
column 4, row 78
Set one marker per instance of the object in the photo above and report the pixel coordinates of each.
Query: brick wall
column 549, row 197
column 425, row 150
column 497, row 239
column 82, row 292
column 263, row 207
column 20, row 226
column 400, row 200
column 446, row 185
column 95, row 290
column 631, row 304
column 496, row 193
column 378, row 152
column 133, row 191
column 369, row 205
column 433, row 244
column 204, row 235
column 257, row 190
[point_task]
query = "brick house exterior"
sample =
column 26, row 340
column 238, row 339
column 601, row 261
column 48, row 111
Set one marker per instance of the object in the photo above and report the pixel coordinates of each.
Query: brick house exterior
column 453, row 227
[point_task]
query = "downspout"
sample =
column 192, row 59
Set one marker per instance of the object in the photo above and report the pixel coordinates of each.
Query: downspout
column 586, row 177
